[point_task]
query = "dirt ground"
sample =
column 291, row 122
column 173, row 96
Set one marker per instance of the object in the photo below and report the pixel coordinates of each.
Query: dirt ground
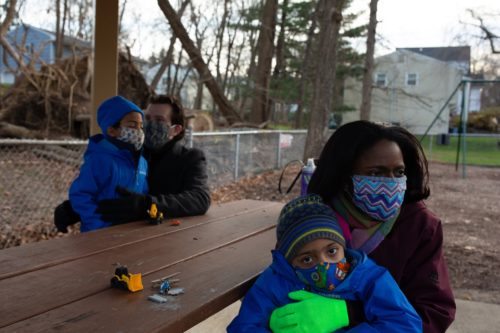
column 469, row 209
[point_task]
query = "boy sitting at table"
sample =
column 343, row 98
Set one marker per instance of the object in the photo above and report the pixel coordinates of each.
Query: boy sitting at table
column 112, row 161
column 310, row 257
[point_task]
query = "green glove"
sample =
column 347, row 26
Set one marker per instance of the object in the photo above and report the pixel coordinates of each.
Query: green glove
column 312, row 313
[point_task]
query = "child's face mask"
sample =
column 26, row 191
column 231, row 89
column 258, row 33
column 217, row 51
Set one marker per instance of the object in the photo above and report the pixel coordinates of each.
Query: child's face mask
column 325, row 276
column 379, row 197
column 157, row 134
column 133, row 136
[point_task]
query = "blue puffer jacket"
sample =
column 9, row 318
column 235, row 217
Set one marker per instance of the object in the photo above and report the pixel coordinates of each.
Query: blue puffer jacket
column 386, row 308
column 105, row 166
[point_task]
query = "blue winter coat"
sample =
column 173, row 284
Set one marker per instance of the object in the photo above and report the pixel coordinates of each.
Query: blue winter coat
column 105, row 166
column 386, row 308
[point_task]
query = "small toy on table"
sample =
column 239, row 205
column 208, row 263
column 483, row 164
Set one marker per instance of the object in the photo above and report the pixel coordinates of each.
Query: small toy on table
column 125, row 280
column 164, row 285
column 156, row 217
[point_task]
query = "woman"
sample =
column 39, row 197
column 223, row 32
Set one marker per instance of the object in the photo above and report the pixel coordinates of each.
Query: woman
column 375, row 177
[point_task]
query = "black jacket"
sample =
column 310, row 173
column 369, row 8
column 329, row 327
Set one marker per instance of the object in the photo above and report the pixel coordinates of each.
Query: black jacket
column 178, row 180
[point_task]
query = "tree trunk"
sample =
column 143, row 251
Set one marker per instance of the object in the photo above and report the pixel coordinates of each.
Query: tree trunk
column 280, row 45
column 58, row 31
column 265, row 49
column 230, row 47
column 220, row 42
column 198, row 101
column 168, row 58
column 123, row 6
column 10, row 14
column 306, row 66
column 4, row 27
column 330, row 20
column 173, row 86
column 366, row 97
column 225, row 107
column 250, row 73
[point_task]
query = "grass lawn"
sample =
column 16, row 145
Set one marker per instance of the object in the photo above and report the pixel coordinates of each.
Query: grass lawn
column 480, row 151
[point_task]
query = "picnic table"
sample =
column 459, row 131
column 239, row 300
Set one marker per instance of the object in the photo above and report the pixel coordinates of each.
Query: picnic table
column 64, row 284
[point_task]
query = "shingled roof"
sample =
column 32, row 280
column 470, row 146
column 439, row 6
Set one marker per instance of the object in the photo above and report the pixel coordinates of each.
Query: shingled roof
column 448, row 53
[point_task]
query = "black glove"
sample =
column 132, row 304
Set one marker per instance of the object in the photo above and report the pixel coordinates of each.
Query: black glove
column 130, row 207
column 64, row 216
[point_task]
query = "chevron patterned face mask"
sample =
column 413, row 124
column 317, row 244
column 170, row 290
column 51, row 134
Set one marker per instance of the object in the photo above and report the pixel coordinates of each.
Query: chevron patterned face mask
column 379, row 197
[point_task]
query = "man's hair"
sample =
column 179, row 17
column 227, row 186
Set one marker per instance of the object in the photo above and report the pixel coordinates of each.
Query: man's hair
column 177, row 111
column 336, row 163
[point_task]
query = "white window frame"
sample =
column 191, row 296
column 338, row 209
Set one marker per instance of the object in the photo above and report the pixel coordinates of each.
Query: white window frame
column 407, row 77
column 384, row 75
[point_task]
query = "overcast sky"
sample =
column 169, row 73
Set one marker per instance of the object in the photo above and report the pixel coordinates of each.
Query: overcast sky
column 428, row 23
column 402, row 23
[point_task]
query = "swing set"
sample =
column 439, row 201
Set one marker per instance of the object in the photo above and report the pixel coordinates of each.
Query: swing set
column 465, row 86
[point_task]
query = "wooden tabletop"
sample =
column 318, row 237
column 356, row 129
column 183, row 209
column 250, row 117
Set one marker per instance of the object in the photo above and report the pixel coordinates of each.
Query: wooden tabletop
column 64, row 284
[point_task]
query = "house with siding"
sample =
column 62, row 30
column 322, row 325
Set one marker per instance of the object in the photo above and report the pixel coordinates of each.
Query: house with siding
column 36, row 46
column 458, row 56
column 410, row 88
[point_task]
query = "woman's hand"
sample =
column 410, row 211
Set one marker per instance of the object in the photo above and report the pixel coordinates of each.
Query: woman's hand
column 312, row 313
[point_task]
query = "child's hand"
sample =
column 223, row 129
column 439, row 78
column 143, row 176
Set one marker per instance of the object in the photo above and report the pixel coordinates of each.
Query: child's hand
column 312, row 313
column 130, row 207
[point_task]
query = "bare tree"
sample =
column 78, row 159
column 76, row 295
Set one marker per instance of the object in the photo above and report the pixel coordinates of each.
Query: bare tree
column 10, row 14
column 487, row 33
column 252, row 42
column 178, row 29
column 60, row 27
column 200, row 37
column 329, row 24
column 123, row 7
column 366, row 95
column 265, row 49
column 168, row 58
column 229, row 55
column 220, row 39
column 84, row 20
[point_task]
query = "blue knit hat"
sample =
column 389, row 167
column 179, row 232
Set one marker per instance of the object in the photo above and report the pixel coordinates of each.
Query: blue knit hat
column 112, row 110
column 303, row 220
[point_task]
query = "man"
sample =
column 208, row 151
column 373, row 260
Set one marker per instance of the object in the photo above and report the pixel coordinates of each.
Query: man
column 177, row 175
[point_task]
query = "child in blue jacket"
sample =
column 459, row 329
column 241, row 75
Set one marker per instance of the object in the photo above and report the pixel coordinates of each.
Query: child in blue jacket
column 112, row 160
column 310, row 257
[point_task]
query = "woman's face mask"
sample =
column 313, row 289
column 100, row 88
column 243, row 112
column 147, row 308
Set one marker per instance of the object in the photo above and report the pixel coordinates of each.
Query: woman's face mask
column 325, row 276
column 133, row 136
column 378, row 197
column 157, row 134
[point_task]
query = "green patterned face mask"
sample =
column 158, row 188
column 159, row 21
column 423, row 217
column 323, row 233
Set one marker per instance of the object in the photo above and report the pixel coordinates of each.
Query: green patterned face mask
column 325, row 276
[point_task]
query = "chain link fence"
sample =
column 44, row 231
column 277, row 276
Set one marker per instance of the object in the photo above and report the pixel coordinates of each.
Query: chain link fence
column 35, row 175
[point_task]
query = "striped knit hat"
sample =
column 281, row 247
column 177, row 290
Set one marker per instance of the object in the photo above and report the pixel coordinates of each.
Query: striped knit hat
column 303, row 220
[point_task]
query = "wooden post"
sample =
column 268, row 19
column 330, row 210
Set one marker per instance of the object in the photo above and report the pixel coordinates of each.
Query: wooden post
column 105, row 72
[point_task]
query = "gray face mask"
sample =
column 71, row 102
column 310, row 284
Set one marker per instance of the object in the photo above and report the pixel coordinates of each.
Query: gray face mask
column 156, row 133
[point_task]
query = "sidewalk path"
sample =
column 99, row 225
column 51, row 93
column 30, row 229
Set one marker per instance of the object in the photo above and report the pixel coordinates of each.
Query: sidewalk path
column 476, row 317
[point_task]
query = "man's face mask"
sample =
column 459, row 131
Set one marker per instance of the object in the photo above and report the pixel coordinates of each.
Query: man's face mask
column 133, row 136
column 379, row 197
column 325, row 276
column 157, row 133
